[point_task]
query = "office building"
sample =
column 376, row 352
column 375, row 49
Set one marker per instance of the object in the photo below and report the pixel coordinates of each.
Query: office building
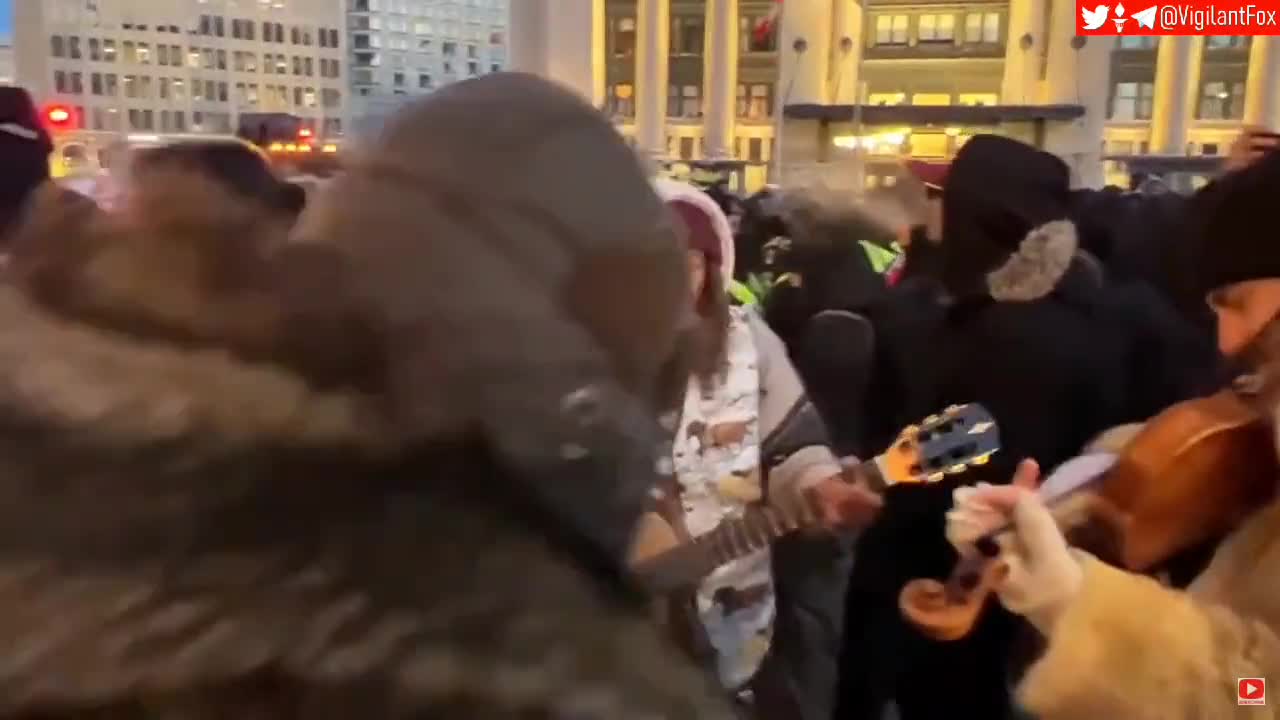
column 6, row 63
column 146, row 68
column 855, row 85
column 403, row 48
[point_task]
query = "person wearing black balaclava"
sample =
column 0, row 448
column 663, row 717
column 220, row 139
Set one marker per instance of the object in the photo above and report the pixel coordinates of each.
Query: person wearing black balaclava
column 25, row 146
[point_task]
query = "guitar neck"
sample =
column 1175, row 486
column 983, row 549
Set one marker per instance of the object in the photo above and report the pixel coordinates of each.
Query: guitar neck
column 736, row 538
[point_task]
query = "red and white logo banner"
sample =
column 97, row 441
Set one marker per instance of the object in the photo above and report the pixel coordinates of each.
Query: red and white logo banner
column 1187, row 17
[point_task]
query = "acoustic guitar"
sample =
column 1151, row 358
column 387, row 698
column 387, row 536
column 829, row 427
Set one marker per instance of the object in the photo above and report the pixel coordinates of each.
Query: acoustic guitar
column 948, row 443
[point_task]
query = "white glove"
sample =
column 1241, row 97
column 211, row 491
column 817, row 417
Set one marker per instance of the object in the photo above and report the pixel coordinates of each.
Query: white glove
column 971, row 518
column 1043, row 575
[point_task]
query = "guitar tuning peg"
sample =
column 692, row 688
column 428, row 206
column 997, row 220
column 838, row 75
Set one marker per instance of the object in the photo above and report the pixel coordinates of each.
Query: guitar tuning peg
column 957, row 469
column 935, row 477
column 981, row 459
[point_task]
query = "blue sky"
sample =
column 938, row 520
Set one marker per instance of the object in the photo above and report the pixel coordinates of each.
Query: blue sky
column 6, row 17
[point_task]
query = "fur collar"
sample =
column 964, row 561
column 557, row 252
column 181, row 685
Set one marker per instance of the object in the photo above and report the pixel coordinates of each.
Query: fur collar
column 1038, row 265
column 156, row 326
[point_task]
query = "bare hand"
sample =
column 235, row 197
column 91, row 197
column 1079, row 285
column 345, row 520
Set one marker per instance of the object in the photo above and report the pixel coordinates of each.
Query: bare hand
column 1252, row 143
column 846, row 504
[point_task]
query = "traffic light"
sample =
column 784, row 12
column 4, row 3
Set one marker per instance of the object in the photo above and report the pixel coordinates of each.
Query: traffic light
column 59, row 117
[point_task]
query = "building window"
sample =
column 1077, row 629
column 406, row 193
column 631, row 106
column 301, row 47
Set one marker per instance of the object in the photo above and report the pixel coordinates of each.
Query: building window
column 1138, row 42
column 758, row 34
column 889, row 98
column 73, row 47
column 937, row 28
column 684, row 101
column 59, row 81
column 57, row 46
column 144, row 54
column 687, row 35
column 622, row 100
column 982, row 27
column 1131, row 100
column 424, row 81
column 1221, row 100
column 95, row 84
column 686, row 148
column 891, row 29
column 755, row 150
column 755, row 101
column 623, row 37
column 95, row 49
column 985, row 99
column 1221, row 42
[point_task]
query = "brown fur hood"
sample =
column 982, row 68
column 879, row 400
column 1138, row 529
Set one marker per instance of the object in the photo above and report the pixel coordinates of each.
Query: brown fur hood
column 202, row 516
column 175, row 319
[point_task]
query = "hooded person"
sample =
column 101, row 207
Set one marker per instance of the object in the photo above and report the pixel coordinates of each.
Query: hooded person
column 25, row 146
column 1029, row 334
column 749, row 434
column 1152, row 651
column 386, row 470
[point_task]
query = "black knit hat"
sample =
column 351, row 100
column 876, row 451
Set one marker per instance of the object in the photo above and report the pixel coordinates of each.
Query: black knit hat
column 998, row 190
column 20, row 120
column 25, row 147
column 1230, row 227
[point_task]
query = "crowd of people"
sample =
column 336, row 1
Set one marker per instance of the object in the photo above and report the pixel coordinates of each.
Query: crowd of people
column 398, row 446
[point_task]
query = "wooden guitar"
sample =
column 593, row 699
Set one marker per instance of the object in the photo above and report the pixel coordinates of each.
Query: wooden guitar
column 943, row 444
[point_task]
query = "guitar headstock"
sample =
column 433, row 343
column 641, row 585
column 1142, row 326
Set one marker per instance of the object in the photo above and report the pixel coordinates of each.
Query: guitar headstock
column 948, row 443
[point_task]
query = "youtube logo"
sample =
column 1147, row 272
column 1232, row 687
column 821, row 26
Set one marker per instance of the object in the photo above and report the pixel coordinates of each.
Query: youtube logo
column 1251, row 691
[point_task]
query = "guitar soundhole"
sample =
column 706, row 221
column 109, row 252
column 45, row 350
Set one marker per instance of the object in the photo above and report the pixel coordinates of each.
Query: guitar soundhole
column 915, row 469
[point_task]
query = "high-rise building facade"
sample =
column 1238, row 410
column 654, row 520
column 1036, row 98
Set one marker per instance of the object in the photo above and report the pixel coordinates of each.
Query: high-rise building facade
column 183, row 67
column 402, row 48
column 875, row 81
column 6, row 63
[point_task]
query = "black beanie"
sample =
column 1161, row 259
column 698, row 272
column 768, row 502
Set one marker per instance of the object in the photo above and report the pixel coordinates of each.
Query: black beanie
column 25, row 147
column 1229, row 227
column 998, row 190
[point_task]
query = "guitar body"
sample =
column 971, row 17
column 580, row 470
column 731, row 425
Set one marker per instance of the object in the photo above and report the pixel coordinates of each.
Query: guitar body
column 677, row 611
column 652, row 537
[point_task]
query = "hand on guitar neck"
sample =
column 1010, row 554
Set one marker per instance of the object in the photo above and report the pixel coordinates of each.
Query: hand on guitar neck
column 845, row 500
column 942, row 444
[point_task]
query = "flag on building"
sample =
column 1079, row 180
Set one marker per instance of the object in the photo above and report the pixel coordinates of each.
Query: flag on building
column 767, row 26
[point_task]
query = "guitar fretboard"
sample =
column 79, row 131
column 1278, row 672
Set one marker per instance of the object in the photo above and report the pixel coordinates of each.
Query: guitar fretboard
column 735, row 538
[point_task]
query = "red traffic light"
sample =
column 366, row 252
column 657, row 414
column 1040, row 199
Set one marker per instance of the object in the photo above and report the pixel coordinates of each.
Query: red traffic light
column 58, row 117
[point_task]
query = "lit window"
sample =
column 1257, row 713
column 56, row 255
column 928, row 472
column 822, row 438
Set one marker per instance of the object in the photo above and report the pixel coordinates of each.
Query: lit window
column 937, row 28
column 891, row 29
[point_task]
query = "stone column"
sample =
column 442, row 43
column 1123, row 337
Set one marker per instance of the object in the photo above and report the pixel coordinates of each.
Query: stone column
column 1262, row 88
column 720, row 78
column 804, row 74
column 576, row 46
column 1078, row 73
column 1020, row 84
column 569, row 50
column 528, row 36
column 653, row 46
column 1177, row 85
column 846, row 51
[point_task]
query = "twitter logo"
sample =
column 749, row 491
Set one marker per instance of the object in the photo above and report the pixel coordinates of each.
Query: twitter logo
column 1096, row 18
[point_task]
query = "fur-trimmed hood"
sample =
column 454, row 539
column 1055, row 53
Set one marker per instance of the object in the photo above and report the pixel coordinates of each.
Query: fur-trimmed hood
column 168, row 322
column 1038, row 265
